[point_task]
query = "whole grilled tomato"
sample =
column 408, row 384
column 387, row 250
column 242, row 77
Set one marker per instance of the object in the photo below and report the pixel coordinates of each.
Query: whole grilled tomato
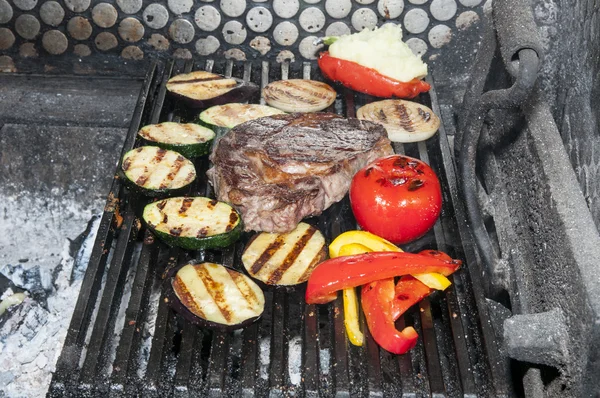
column 397, row 197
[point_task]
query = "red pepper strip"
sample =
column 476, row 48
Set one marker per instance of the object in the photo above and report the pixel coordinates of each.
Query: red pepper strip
column 368, row 80
column 383, row 304
column 351, row 271
column 409, row 291
column 377, row 300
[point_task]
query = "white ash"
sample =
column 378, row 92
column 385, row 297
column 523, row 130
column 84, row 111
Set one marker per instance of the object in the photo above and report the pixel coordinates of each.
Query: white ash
column 32, row 336
column 324, row 361
column 295, row 360
column 148, row 331
column 264, row 357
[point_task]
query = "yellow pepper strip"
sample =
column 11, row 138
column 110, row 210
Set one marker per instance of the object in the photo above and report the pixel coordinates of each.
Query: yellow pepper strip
column 433, row 280
column 355, row 335
column 373, row 242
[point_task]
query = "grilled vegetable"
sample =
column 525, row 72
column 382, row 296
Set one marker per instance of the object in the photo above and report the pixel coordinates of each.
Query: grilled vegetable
column 351, row 322
column 383, row 304
column 398, row 188
column 193, row 223
column 285, row 259
column 230, row 115
column 343, row 272
column 213, row 295
column 155, row 170
column 189, row 139
column 298, row 95
column 202, row 89
column 375, row 62
column 405, row 121
column 378, row 306
column 358, row 242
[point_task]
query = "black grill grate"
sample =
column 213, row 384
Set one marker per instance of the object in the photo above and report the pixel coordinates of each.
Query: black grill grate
column 295, row 349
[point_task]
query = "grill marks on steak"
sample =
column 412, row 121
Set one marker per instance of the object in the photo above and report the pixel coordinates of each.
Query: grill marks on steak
column 279, row 169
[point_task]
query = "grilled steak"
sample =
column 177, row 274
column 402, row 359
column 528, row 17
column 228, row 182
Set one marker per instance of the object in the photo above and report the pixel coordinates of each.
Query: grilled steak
column 277, row 170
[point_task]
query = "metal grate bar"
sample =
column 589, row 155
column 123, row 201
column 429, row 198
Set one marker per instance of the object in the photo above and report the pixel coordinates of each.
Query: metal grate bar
column 374, row 369
column 310, row 350
column 405, row 366
column 249, row 360
column 153, row 371
column 184, row 360
column 436, row 381
column 340, row 351
column 131, row 334
column 278, row 343
column 99, row 347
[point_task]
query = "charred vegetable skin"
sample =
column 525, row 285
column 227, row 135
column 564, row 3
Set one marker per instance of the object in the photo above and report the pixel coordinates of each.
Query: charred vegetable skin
column 368, row 80
column 343, row 272
column 213, row 296
column 202, row 89
column 402, row 190
column 299, row 95
column 193, row 223
column 405, row 121
column 383, row 303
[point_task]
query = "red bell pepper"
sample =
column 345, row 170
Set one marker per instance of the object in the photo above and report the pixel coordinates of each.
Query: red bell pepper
column 383, row 304
column 377, row 300
column 351, row 271
column 368, row 80
column 408, row 292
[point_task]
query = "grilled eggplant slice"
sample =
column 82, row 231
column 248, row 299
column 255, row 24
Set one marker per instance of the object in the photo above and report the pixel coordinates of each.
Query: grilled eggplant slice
column 285, row 259
column 212, row 295
column 193, row 223
column 202, row 89
column 189, row 139
column 405, row 121
column 155, row 171
column 299, row 95
column 230, row 115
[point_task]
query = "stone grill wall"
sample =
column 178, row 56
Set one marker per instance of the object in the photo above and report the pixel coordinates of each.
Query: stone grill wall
column 238, row 29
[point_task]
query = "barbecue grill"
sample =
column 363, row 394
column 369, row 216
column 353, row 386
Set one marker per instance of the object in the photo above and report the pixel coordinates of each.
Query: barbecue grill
column 521, row 318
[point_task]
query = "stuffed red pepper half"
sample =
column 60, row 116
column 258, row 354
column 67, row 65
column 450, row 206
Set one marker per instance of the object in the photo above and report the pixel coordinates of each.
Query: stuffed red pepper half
column 375, row 62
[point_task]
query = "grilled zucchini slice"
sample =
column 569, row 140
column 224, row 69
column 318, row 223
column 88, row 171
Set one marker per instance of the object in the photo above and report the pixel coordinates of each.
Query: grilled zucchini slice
column 217, row 295
column 189, row 139
column 202, row 89
column 193, row 223
column 156, row 171
column 285, row 259
column 299, row 95
column 230, row 115
column 405, row 121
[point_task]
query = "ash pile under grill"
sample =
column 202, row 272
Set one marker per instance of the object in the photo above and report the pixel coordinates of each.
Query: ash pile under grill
column 124, row 339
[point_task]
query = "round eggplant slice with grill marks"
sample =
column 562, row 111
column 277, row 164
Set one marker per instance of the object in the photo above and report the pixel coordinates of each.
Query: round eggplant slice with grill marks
column 202, row 89
column 405, row 121
column 155, row 171
column 215, row 296
column 193, row 223
column 285, row 259
column 230, row 115
column 189, row 139
column 298, row 95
